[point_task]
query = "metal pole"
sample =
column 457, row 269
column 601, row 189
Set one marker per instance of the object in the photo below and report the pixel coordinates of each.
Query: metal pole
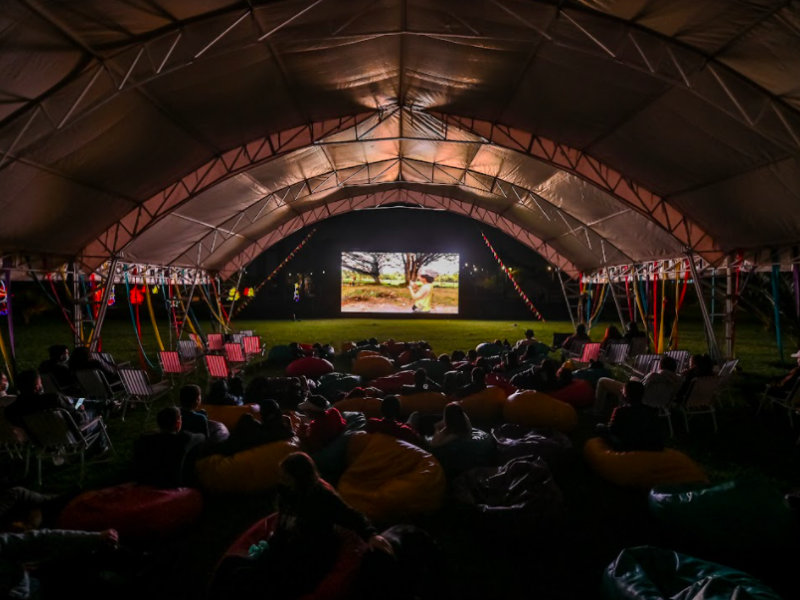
column 77, row 309
column 566, row 298
column 616, row 301
column 729, row 322
column 186, row 308
column 711, row 339
column 233, row 301
column 101, row 312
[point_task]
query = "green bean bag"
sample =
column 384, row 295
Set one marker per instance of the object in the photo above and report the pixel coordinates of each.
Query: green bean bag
column 743, row 515
column 648, row 573
column 458, row 457
column 280, row 354
column 332, row 384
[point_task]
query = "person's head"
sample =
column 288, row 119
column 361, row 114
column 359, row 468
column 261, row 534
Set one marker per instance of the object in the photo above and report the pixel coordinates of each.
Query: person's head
column 373, row 341
column 455, row 420
column 29, row 382
column 478, row 375
column 3, row 383
column 498, row 342
column 299, row 472
column 581, row 329
column 445, row 359
column 426, row 278
column 420, row 377
column 80, row 355
column 472, row 355
column 706, row 365
column 668, row 363
column 612, row 333
column 564, row 375
column 390, row 408
column 549, row 368
column 596, row 364
column 695, row 360
column 633, row 392
column 169, row 419
column 270, row 410
column 314, row 406
column 218, row 390
column 190, row 397
column 58, row 353
column 482, row 363
column 457, row 355
column 529, row 334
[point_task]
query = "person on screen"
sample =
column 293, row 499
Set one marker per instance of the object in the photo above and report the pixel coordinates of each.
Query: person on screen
column 423, row 295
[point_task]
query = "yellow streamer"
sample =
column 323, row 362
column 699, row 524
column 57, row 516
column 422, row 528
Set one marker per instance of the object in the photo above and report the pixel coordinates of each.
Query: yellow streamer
column 186, row 318
column 153, row 321
column 8, row 362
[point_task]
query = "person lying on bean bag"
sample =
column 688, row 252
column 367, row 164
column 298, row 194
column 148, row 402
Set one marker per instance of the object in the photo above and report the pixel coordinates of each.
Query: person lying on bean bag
column 633, row 425
column 390, row 423
column 454, row 426
column 250, row 433
column 219, row 394
column 304, row 545
column 166, row 459
column 478, row 384
column 322, row 423
column 195, row 420
column 422, row 384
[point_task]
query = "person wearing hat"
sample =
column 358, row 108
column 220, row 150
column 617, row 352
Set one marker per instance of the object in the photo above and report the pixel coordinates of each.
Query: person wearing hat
column 784, row 386
column 323, row 425
column 529, row 339
column 423, row 295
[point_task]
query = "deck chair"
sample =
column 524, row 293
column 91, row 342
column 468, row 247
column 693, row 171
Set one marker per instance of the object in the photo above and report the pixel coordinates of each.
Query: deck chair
column 218, row 367
column 643, row 364
column 253, row 346
column 172, row 366
column 237, row 338
column 95, row 385
column 139, row 390
column 615, row 354
column 13, row 440
column 216, row 342
column 54, row 433
column 247, row 332
column 198, row 341
column 639, row 345
column 236, row 355
column 574, row 351
column 681, row 357
column 50, row 384
column 661, row 395
column 109, row 360
column 700, row 399
column 790, row 401
column 726, row 377
column 189, row 352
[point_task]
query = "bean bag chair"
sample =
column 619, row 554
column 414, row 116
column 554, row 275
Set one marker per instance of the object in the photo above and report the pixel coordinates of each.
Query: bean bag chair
column 331, row 461
column 391, row 480
column 371, row 407
column 488, row 349
column 372, row 367
column 744, row 516
column 342, row 577
column 391, row 384
column 511, row 501
column 486, row 406
column 641, row 469
column 577, row 393
column 308, row 349
column 648, row 573
column 363, row 353
column 280, row 354
column 434, row 368
column 426, row 402
column 592, row 375
column 138, row 512
column 230, row 415
column 394, row 349
column 310, row 366
column 501, row 381
column 513, row 441
column 463, row 455
column 534, row 409
column 252, row 471
column 347, row 347
column 332, row 384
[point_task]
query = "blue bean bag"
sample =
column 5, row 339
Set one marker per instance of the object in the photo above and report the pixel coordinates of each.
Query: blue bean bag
column 332, row 384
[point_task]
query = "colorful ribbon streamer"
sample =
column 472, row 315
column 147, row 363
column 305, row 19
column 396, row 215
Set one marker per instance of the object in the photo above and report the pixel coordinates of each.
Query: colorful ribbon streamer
column 518, row 289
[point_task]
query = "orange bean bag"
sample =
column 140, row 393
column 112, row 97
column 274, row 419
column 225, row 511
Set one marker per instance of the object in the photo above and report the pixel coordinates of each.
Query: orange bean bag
column 641, row 469
column 371, row 407
column 372, row 367
column 363, row 353
column 390, row 480
column 534, row 409
column 498, row 380
column 426, row 402
column 391, row 384
column 230, row 415
column 485, row 406
column 347, row 346
column 577, row 393
column 137, row 512
column 252, row 471
column 310, row 366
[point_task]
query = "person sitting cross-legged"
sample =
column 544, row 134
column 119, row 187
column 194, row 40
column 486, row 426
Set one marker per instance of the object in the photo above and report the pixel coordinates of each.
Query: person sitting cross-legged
column 390, row 423
column 633, row 425
column 166, row 459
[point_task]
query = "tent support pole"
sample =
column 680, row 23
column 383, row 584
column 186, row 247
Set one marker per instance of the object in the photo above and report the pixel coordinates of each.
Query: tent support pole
column 730, row 323
column 77, row 307
column 566, row 297
column 612, row 284
column 187, row 307
column 233, row 301
column 711, row 339
column 103, row 308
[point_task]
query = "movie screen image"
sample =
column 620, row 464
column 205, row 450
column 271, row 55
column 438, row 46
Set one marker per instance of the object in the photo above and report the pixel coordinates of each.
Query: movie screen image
column 400, row 282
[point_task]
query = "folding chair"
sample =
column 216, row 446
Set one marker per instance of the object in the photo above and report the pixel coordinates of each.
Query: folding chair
column 644, row 364
column 616, row 354
column 95, row 385
column 13, row 440
column 235, row 355
column 574, row 351
column 139, row 390
column 198, row 341
column 216, row 342
column 591, row 351
column 681, row 357
column 172, row 366
column 109, row 360
column 50, row 384
column 54, row 433
column 639, row 345
column 661, row 395
column 725, row 377
column 237, row 338
column 189, row 352
column 248, row 332
column 218, row 367
column 700, row 399
column 790, row 402
column 253, row 346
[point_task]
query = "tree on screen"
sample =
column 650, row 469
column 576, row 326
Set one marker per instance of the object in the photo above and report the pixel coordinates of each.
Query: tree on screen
column 365, row 263
column 413, row 263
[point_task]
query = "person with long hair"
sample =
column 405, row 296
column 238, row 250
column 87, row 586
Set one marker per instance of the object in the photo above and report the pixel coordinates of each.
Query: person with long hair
column 423, row 294
column 455, row 425
column 611, row 336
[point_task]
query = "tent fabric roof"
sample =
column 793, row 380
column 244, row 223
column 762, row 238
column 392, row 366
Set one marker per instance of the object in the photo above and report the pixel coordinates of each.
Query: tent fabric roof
column 598, row 132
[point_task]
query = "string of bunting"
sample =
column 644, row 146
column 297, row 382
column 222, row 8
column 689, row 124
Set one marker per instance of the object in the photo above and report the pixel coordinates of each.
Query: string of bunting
column 505, row 270
column 257, row 289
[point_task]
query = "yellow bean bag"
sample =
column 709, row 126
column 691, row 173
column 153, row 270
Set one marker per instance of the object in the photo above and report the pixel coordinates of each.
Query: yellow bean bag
column 363, row 353
column 251, row 471
column 371, row 407
column 534, row 409
column 372, row 367
column 347, row 346
column 230, row 415
column 485, row 406
column 390, row 480
column 641, row 469
column 426, row 402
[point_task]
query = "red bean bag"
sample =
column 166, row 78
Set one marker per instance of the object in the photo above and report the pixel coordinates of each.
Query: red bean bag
column 577, row 393
column 391, row 384
column 310, row 366
column 500, row 381
column 343, row 575
column 363, row 353
column 137, row 512
column 308, row 349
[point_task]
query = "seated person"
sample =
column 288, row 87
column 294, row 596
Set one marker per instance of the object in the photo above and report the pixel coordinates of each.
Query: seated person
column 782, row 387
column 457, row 356
column 632, row 332
column 700, row 365
column 218, row 395
column 193, row 418
column 287, row 391
column 633, row 425
column 453, row 380
column 57, row 365
column 455, row 425
column 563, row 377
column 390, row 423
column 542, row 378
column 296, row 351
column 322, row 423
column 250, row 433
column 166, row 459
column 32, row 399
column 529, row 340
column 509, row 365
column 5, row 397
column 22, row 509
column 665, row 375
column 580, row 335
column 478, row 384
column 593, row 373
column 611, row 336
column 81, row 360
column 421, row 384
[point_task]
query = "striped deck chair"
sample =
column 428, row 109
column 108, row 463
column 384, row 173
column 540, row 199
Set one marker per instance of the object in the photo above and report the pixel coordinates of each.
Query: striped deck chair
column 661, row 395
column 574, row 351
column 253, row 346
column 216, row 342
column 218, row 367
column 237, row 338
column 700, row 399
column 95, row 385
column 236, row 355
column 726, row 377
column 139, row 390
column 172, row 366
column 189, row 352
column 616, row 354
column 681, row 357
column 643, row 364
column 198, row 341
column 248, row 332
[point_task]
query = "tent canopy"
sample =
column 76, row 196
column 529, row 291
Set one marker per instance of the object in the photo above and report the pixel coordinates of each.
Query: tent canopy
column 200, row 133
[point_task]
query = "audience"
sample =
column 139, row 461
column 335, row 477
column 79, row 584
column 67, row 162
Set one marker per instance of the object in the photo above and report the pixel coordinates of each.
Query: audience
column 633, row 425
column 580, row 335
column 665, row 375
column 478, row 384
column 390, row 423
column 218, row 395
column 57, row 366
column 250, row 433
column 166, row 459
column 322, row 423
column 611, row 336
column 454, row 426
column 421, row 385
